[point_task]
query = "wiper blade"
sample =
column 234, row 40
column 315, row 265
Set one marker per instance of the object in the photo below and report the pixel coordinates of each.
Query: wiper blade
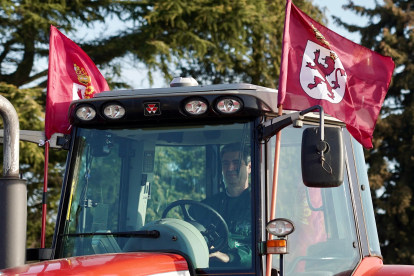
column 148, row 234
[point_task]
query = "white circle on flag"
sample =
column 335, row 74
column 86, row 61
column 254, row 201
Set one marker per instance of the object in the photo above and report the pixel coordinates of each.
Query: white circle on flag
column 322, row 75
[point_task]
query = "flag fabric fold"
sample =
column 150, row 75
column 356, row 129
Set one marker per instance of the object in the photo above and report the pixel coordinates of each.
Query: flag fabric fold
column 72, row 76
column 320, row 67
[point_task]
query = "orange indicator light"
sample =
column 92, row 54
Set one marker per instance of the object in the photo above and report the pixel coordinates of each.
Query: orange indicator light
column 276, row 247
column 276, row 243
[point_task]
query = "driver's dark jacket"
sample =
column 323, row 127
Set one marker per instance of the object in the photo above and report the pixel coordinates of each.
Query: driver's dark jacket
column 236, row 211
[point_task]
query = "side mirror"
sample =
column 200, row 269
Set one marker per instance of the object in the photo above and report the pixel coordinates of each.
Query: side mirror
column 322, row 170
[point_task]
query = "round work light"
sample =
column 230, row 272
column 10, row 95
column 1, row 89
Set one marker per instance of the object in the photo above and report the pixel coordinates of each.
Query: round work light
column 280, row 227
column 196, row 107
column 85, row 113
column 114, row 111
column 229, row 105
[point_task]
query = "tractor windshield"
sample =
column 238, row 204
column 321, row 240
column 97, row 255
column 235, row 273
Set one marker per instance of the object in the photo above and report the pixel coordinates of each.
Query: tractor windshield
column 191, row 184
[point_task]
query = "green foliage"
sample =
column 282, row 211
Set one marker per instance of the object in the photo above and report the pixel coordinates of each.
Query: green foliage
column 390, row 32
column 24, row 30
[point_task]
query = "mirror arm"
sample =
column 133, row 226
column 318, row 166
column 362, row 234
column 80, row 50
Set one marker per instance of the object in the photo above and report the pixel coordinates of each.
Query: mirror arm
column 321, row 146
column 273, row 126
column 321, row 121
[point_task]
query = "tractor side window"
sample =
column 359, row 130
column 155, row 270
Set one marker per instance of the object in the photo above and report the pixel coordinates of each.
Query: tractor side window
column 325, row 235
column 374, row 245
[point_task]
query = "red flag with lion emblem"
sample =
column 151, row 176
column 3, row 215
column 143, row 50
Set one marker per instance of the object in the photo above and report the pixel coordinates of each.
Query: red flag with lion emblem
column 320, row 67
column 72, row 76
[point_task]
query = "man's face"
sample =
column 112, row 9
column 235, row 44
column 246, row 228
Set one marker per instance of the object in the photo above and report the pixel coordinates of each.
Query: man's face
column 232, row 176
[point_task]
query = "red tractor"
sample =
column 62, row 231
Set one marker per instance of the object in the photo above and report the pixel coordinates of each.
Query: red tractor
column 179, row 181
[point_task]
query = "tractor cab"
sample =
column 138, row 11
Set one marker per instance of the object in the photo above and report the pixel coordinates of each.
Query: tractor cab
column 188, row 170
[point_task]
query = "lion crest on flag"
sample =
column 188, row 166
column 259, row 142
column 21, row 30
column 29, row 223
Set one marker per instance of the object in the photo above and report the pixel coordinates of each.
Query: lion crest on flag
column 322, row 75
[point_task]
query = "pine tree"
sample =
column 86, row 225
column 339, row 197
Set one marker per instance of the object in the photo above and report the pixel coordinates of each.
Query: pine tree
column 220, row 41
column 391, row 166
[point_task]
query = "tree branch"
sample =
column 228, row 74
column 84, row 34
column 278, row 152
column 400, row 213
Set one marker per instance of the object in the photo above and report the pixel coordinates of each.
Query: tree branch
column 5, row 51
column 36, row 76
column 21, row 75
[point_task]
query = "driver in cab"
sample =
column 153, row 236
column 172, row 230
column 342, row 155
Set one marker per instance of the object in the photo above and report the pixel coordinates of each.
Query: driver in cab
column 234, row 205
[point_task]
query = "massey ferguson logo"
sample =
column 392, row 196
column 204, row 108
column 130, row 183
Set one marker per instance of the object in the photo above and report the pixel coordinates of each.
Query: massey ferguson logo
column 322, row 75
column 151, row 109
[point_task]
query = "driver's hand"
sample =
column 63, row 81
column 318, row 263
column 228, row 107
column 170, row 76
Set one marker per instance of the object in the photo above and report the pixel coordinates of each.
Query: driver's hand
column 220, row 256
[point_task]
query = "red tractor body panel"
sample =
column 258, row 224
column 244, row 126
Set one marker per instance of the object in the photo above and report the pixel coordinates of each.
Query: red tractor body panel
column 372, row 266
column 133, row 264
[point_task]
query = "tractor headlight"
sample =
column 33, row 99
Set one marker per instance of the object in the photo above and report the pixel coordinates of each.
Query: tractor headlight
column 229, row 105
column 196, row 106
column 85, row 113
column 114, row 111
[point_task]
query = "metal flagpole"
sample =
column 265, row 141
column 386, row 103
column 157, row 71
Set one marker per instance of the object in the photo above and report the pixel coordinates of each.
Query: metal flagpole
column 274, row 191
column 44, row 199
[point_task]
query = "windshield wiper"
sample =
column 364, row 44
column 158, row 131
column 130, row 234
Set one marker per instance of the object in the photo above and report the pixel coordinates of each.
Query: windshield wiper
column 148, row 234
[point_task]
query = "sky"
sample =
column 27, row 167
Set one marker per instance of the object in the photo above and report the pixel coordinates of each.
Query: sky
column 334, row 7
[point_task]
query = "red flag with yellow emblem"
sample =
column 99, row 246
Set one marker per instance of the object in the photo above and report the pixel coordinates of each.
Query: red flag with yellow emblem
column 72, row 76
column 320, row 67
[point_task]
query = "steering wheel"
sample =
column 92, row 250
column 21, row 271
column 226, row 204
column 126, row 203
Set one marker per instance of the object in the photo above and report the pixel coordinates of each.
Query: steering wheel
column 210, row 234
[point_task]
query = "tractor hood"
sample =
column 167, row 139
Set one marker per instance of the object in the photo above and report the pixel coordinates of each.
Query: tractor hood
column 108, row 264
column 373, row 266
